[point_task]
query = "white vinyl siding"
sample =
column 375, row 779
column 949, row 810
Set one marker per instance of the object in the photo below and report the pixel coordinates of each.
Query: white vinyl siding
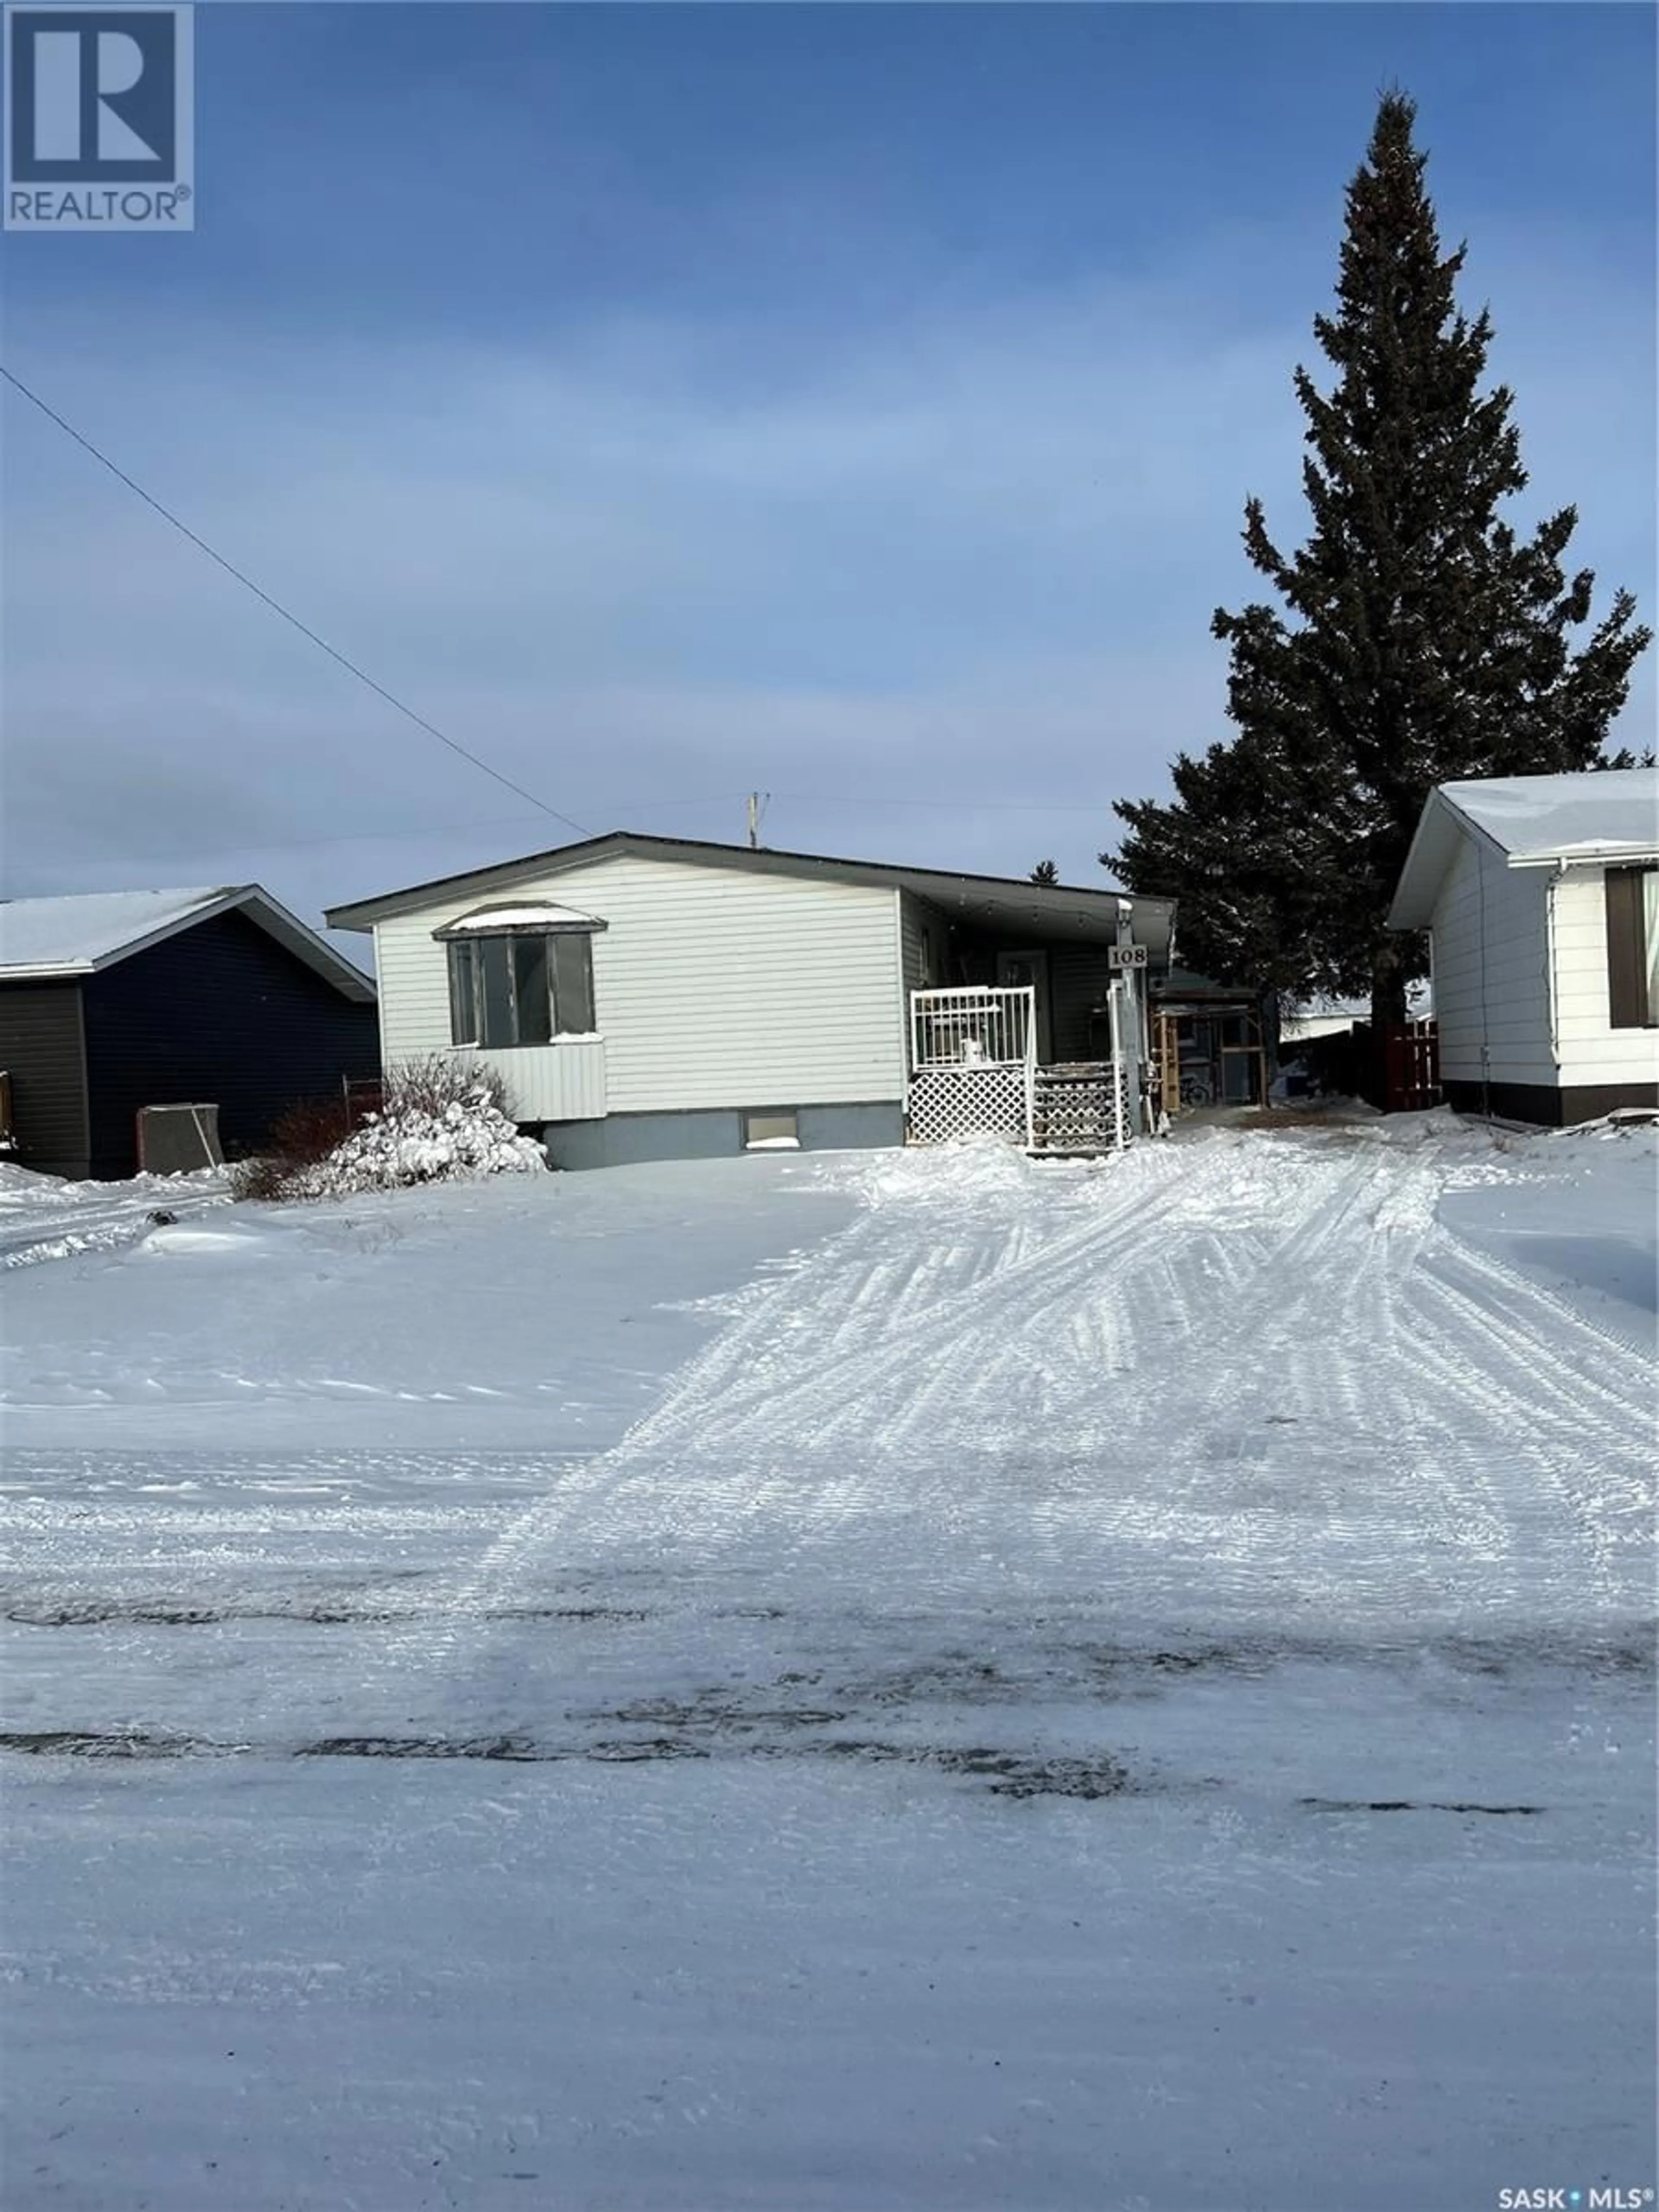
column 563, row 1082
column 923, row 932
column 1591, row 1049
column 712, row 986
column 923, row 936
column 1491, row 970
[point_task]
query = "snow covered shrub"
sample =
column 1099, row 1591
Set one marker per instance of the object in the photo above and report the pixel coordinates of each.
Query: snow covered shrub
column 301, row 1135
column 441, row 1119
column 438, row 1079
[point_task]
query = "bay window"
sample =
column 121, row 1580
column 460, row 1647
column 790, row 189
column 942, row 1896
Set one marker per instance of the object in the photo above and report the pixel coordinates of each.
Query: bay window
column 521, row 975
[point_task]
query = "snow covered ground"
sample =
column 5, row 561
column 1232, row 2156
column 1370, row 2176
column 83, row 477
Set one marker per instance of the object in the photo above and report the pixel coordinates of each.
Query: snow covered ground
column 44, row 1218
column 889, row 1680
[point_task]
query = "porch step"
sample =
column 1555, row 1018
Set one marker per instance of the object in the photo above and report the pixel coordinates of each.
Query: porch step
column 1074, row 1108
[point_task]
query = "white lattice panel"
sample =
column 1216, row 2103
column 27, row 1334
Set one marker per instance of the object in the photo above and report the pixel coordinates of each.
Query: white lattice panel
column 960, row 1102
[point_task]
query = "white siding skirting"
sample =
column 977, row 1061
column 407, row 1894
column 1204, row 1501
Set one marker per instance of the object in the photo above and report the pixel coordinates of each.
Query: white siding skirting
column 561, row 1082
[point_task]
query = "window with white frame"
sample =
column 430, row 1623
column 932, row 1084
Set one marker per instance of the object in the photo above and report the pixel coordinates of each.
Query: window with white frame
column 519, row 977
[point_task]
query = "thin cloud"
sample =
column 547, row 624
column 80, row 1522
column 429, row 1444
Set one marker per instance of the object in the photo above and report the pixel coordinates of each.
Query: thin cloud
column 976, row 554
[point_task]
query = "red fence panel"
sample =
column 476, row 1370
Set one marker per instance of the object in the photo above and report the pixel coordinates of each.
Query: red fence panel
column 1411, row 1065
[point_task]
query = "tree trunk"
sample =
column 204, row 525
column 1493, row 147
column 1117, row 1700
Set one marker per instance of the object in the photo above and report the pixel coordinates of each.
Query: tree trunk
column 1387, row 990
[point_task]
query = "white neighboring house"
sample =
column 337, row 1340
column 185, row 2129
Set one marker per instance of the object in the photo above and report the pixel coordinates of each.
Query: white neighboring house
column 661, row 997
column 1542, row 894
column 1305, row 1021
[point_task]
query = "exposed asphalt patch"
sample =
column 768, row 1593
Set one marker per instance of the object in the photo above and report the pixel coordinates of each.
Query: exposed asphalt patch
column 1630, row 1653
column 713, row 1709
column 123, row 1743
column 1413, row 1805
column 516, row 1748
column 1121, row 1670
column 95, row 1613
column 1008, row 1773
column 1011, row 1773
column 633, row 1749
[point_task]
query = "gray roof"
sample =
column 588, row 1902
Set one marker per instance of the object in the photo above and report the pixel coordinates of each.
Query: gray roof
column 1058, row 910
column 82, row 933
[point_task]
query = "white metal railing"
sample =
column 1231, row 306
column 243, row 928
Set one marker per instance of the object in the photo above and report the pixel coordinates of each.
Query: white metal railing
column 973, row 1058
column 978, row 1025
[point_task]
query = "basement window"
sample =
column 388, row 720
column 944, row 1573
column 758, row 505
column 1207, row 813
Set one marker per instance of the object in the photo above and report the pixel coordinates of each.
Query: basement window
column 772, row 1132
column 521, row 975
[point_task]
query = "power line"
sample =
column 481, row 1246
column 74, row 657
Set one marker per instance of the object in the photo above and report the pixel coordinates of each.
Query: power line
column 277, row 608
column 453, row 745
column 208, row 845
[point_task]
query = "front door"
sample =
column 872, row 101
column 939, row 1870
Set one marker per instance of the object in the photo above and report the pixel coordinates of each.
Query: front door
column 1018, row 971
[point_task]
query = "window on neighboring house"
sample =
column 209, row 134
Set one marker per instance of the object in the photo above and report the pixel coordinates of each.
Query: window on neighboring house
column 1633, row 947
column 520, row 982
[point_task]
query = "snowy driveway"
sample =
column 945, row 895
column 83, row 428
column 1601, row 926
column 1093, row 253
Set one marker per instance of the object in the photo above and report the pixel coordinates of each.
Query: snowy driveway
column 883, row 1682
column 41, row 1218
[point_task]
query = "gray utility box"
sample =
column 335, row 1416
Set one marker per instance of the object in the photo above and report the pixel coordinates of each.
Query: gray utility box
column 177, row 1139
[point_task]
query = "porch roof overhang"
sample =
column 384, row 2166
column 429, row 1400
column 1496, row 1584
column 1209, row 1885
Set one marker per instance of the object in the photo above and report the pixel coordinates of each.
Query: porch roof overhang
column 1046, row 914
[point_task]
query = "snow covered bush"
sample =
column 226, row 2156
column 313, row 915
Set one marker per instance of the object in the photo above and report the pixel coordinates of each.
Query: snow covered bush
column 301, row 1135
column 441, row 1119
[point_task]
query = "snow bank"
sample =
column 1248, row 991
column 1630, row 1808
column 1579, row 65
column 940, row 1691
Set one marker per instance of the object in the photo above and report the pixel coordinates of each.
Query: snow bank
column 466, row 1138
column 969, row 1169
column 43, row 1217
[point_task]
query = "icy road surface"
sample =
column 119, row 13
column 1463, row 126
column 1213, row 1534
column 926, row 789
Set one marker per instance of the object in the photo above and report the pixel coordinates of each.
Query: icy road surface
column 879, row 1682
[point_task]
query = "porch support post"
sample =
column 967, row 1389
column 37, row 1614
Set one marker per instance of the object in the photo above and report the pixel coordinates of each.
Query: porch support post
column 1031, row 1071
column 1118, row 1086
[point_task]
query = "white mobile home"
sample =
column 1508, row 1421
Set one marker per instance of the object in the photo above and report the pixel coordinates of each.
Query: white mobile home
column 659, row 997
column 1541, row 896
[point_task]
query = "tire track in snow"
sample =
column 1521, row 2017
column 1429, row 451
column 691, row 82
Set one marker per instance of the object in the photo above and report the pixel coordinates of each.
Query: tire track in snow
column 624, row 1489
column 1286, row 1342
column 972, row 1345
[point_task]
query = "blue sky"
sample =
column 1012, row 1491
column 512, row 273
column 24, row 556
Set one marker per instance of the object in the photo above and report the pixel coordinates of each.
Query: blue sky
column 856, row 403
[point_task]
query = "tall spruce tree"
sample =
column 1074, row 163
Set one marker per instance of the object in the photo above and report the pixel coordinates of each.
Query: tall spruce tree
column 1419, row 637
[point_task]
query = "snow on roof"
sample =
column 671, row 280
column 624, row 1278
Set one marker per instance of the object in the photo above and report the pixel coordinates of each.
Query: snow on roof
column 1598, row 814
column 1553, row 817
column 75, row 934
column 528, row 915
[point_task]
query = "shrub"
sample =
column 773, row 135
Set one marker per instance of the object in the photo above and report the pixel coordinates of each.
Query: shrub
column 428, row 1084
column 441, row 1119
column 301, row 1135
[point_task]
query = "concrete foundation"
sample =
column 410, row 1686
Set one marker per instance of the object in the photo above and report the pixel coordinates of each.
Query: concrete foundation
column 628, row 1140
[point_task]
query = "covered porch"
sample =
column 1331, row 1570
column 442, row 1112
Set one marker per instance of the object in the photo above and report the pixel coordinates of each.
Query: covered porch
column 1026, row 1016
column 975, row 1070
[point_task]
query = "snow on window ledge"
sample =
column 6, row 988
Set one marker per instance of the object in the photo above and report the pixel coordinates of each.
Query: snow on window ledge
column 564, row 1036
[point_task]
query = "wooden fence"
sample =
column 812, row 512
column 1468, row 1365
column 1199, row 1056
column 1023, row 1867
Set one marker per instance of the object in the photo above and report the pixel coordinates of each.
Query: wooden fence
column 1411, row 1068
